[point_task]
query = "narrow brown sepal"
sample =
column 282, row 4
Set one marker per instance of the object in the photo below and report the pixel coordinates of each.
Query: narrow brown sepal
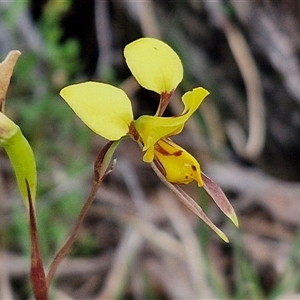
column 220, row 198
column 37, row 273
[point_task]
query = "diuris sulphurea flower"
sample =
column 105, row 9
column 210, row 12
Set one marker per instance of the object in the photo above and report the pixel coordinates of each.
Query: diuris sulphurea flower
column 107, row 111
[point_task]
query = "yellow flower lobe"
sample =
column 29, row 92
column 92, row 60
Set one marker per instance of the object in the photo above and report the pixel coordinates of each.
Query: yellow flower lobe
column 105, row 109
column 154, row 64
column 179, row 165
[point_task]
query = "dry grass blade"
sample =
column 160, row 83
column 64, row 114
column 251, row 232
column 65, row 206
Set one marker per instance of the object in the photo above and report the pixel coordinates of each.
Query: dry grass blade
column 192, row 250
column 5, row 289
column 159, row 239
column 145, row 12
column 118, row 274
column 251, row 148
column 170, row 274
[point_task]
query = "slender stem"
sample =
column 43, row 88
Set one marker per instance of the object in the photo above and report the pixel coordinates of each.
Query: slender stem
column 69, row 242
column 101, row 170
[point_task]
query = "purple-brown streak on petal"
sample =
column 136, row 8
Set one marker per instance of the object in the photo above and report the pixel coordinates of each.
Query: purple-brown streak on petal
column 166, row 153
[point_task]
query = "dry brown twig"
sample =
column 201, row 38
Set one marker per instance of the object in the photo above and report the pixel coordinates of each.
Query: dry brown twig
column 5, row 288
column 104, row 36
column 252, row 146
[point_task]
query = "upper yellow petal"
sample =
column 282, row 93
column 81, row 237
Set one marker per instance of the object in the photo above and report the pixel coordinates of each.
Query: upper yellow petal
column 105, row 109
column 151, row 128
column 154, row 64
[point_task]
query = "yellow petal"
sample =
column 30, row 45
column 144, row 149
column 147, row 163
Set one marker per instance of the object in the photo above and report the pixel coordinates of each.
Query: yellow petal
column 180, row 166
column 149, row 154
column 154, row 64
column 152, row 128
column 193, row 99
column 104, row 108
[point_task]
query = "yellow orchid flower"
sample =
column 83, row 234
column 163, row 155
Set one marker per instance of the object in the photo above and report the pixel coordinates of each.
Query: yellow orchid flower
column 107, row 111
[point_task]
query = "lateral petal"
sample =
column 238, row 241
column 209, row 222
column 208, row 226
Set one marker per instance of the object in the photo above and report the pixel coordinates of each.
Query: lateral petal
column 105, row 109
